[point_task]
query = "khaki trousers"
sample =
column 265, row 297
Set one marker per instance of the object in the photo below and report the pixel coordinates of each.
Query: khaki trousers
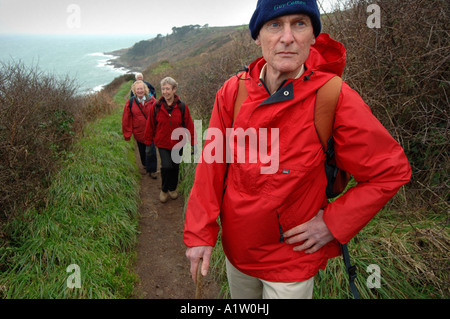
column 243, row 286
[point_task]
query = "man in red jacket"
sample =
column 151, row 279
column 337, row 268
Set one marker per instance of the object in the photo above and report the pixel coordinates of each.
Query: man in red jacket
column 278, row 229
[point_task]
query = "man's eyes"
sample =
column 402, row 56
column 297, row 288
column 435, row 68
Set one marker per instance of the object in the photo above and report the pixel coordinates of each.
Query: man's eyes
column 277, row 25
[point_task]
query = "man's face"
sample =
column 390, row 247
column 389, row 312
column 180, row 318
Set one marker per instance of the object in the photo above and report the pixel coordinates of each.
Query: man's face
column 286, row 42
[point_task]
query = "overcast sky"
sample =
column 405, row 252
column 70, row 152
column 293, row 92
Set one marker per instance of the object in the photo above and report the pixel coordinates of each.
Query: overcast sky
column 112, row 17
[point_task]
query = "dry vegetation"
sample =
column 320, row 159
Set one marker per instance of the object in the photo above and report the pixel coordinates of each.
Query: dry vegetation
column 401, row 71
column 39, row 119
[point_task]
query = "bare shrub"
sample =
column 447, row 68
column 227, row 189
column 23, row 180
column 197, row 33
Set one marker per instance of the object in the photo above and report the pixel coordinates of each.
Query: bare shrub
column 39, row 118
column 92, row 107
column 401, row 71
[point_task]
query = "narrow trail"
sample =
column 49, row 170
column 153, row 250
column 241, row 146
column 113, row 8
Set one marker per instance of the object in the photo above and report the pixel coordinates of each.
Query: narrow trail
column 161, row 264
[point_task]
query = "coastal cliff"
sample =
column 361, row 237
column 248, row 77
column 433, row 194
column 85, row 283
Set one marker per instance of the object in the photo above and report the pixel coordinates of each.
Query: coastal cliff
column 183, row 42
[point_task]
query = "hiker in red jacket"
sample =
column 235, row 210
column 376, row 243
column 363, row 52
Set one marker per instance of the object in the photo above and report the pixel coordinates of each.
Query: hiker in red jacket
column 171, row 114
column 278, row 229
column 134, row 119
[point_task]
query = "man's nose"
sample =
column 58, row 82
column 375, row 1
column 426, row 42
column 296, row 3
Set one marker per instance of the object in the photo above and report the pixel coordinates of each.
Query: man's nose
column 287, row 36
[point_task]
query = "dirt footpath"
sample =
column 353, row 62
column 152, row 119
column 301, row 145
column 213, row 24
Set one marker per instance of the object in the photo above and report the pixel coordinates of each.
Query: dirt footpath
column 162, row 266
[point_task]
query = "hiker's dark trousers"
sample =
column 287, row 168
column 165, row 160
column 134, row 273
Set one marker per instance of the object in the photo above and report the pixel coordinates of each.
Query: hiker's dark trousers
column 149, row 160
column 169, row 169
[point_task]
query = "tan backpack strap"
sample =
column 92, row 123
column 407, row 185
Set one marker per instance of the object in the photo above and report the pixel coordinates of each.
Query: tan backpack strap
column 326, row 101
column 240, row 98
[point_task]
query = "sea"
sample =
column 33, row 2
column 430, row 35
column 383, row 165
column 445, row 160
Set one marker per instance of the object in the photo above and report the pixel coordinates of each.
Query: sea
column 81, row 58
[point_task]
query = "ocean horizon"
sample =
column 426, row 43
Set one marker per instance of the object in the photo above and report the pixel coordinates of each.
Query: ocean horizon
column 81, row 58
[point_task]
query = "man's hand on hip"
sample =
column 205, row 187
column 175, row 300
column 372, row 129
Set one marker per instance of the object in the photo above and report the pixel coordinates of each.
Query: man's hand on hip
column 312, row 235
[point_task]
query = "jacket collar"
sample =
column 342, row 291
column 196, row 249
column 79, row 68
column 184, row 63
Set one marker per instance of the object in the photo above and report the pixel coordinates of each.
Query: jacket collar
column 262, row 76
column 168, row 108
column 327, row 59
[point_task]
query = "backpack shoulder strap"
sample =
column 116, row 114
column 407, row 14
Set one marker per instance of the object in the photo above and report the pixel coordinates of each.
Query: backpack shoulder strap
column 242, row 95
column 325, row 108
column 130, row 102
column 182, row 109
column 326, row 101
column 157, row 109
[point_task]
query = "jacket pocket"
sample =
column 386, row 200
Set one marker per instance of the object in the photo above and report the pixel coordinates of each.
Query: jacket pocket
column 298, row 194
column 281, row 229
column 286, row 182
column 247, row 178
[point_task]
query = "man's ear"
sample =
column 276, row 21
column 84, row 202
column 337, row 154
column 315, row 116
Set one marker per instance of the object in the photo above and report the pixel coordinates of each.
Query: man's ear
column 258, row 41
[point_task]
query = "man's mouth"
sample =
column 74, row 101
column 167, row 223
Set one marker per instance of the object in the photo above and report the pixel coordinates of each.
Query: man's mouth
column 286, row 53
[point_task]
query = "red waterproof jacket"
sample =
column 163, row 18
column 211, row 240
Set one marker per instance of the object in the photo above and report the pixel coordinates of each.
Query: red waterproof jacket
column 166, row 123
column 256, row 208
column 134, row 121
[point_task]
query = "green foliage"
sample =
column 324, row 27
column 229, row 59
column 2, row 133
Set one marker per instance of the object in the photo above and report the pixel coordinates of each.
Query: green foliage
column 90, row 219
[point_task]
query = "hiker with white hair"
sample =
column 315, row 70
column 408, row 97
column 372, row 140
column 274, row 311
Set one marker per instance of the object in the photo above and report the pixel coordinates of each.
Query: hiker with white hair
column 278, row 230
column 151, row 88
column 134, row 120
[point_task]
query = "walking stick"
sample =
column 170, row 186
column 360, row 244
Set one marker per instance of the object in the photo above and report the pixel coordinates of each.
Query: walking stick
column 199, row 283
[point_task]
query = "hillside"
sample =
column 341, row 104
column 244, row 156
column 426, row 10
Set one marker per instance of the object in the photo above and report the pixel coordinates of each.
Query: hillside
column 184, row 42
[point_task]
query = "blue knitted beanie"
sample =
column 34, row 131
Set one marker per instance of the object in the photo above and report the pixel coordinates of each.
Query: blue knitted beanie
column 267, row 10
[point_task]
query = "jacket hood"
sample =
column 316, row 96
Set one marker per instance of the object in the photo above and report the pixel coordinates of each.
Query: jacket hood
column 327, row 55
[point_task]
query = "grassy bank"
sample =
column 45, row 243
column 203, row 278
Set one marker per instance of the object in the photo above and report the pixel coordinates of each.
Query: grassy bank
column 89, row 220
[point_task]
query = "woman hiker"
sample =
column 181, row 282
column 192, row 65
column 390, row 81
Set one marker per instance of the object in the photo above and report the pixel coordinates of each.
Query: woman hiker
column 134, row 119
column 167, row 115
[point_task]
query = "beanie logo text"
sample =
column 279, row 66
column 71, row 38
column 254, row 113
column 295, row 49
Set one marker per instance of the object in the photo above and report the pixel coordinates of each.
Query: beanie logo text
column 289, row 3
